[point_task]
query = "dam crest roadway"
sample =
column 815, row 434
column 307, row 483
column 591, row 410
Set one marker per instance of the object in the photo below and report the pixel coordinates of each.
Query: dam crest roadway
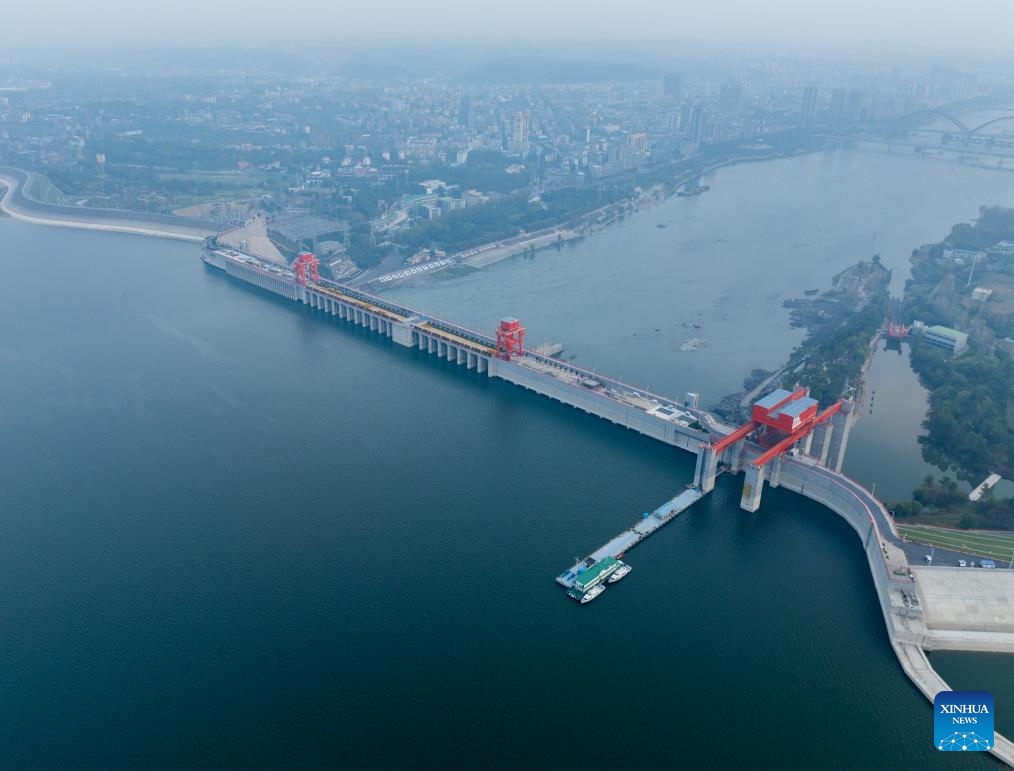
column 789, row 442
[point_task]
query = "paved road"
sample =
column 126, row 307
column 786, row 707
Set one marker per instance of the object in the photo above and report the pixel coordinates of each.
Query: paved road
column 19, row 206
column 916, row 553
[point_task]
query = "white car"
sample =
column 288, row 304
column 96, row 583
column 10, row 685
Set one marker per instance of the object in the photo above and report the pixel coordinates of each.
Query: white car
column 962, row 564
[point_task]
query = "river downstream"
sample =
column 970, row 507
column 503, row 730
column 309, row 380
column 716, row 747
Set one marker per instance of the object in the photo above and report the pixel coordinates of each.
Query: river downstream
column 238, row 533
column 725, row 260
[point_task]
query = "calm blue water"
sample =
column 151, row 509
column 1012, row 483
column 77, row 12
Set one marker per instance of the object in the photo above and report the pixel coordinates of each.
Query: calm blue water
column 238, row 534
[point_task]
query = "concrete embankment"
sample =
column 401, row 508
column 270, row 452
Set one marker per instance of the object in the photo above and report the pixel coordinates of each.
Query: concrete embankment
column 967, row 609
column 593, row 402
column 926, row 679
column 15, row 203
column 906, row 626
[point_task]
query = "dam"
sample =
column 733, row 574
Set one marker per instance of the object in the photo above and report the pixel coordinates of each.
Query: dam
column 806, row 459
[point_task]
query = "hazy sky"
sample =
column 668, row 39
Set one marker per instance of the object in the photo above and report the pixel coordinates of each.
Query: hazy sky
column 951, row 24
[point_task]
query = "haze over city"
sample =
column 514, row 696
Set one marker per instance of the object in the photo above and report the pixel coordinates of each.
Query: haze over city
column 860, row 24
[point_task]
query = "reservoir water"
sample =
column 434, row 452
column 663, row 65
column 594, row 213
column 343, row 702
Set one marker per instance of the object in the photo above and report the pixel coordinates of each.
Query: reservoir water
column 236, row 533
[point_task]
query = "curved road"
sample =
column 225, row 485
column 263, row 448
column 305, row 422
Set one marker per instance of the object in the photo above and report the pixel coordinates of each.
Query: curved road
column 915, row 552
column 19, row 206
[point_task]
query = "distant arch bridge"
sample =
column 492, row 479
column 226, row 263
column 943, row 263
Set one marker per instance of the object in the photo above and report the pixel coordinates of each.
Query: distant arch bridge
column 958, row 123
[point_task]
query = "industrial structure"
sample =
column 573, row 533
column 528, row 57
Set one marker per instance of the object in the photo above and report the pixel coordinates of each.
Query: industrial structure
column 788, row 433
column 510, row 339
column 778, row 422
column 781, row 422
column 896, row 330
column 305, row 268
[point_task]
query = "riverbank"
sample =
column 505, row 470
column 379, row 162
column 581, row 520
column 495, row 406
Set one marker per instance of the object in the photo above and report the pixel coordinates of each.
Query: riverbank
column 663, row 191
column 965, row 282
column 842, row 331
column 601, row 218
column 16, row 204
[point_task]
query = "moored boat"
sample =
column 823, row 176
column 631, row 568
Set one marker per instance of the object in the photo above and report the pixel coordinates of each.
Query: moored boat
column 621, row 571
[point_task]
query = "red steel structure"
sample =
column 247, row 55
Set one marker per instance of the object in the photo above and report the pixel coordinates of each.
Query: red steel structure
column 785, row 444
column 510, row 338
column 306, row 268
column 771, row 410
column 787, row 414
column 735, row 436
column 897, row 331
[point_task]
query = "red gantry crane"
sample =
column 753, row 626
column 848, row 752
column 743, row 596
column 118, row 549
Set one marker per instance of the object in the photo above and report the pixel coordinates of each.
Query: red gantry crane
column 306, row 269
column 510, row 338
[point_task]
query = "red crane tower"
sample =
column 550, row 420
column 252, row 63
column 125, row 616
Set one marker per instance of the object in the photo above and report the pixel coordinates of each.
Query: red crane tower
column 510, row 338
column 306, row 268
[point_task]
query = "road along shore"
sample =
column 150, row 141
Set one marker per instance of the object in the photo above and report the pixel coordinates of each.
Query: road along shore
column 19, row 206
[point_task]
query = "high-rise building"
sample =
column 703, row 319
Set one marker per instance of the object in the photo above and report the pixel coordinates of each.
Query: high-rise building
column 686, row 110
column 699, row 125
column 853, row 110
column 729, row 98
column 810, row 102
column 635, row 153
column 838, row 105
column 465, row 111
column 519, row 133
column 672, row 84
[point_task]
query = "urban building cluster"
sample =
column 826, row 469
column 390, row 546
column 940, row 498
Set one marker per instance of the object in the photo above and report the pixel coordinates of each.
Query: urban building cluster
column 368, row 158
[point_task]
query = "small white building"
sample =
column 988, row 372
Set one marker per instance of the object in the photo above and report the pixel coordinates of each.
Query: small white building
column 981, row 294
column 963, row 256
column 945, row 337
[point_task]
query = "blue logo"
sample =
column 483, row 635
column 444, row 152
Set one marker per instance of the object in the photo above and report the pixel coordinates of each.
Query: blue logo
column 963, row 721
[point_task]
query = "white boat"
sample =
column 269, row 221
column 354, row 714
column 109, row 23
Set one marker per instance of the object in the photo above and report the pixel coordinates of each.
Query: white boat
column 592, row 593
column 621, row 571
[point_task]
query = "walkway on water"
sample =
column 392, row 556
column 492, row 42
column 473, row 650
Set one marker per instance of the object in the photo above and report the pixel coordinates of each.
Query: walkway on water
column 618, row 546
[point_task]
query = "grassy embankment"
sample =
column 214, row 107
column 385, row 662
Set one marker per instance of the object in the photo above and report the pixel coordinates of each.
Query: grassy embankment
column 998, row 546
column 40, row 188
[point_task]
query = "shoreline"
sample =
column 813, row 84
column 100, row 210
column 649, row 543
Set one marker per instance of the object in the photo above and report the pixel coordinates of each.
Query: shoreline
column 135, row 223
column 649, row 197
